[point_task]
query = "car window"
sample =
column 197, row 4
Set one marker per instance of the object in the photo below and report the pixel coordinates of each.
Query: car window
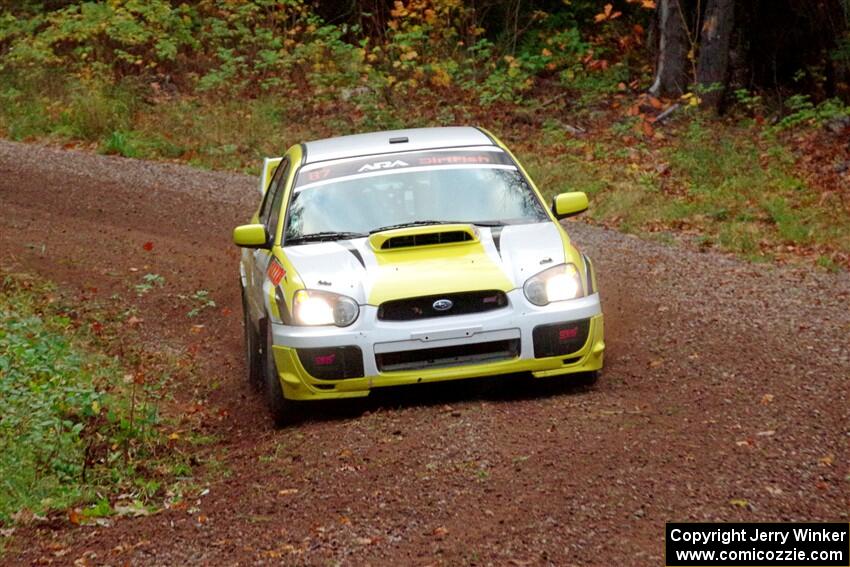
column 359, row 196
column 270, row 211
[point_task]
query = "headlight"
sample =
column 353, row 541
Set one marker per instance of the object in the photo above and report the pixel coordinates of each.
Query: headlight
column 312, row 307
column 555, row 284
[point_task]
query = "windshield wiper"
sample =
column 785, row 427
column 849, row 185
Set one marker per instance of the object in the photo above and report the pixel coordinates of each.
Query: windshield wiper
column 323, row 236
column 427, row 222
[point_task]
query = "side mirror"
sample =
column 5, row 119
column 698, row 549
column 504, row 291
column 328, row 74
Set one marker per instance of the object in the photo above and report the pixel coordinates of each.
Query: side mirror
column 569, row 204
column 251, row 236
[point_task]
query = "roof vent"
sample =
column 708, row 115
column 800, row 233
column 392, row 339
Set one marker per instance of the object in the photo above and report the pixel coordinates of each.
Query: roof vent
column 399, row 140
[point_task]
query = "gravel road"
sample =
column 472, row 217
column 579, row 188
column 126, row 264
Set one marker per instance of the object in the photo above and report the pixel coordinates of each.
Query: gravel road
column 726, row 397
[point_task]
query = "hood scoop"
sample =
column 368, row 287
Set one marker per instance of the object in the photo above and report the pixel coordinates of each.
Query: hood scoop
column 433, row 235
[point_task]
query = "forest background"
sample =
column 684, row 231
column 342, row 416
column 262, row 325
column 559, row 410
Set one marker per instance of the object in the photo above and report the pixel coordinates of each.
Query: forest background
column 711, row 123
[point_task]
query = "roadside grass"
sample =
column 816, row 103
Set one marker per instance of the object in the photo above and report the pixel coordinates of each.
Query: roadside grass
column 80, row 434
column 710, row 184
column 727, row 184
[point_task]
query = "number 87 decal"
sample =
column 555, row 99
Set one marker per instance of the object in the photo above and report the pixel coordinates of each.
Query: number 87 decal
column 318, row 174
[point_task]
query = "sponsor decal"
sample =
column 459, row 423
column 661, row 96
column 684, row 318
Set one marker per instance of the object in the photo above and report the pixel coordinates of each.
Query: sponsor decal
column 443, row 160
column 325, row 360
column 382, row 165
column 567, row 334
column 275, row 272
column 316, row 174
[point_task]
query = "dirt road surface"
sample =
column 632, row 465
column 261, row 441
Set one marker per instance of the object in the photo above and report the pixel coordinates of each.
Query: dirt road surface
column 726, row 397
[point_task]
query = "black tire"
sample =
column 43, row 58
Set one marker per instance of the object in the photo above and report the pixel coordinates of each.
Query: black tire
column 284, row 411
column 587, row 379
column 253, row 354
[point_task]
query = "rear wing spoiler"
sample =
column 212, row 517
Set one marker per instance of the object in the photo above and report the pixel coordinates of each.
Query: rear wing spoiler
column 269, row 167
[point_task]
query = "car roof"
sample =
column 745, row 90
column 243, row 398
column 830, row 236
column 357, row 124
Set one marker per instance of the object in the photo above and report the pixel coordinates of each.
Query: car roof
column 392, row 141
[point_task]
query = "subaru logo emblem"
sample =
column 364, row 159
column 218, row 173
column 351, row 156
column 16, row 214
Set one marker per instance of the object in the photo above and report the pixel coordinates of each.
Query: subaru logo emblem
column 443, row 305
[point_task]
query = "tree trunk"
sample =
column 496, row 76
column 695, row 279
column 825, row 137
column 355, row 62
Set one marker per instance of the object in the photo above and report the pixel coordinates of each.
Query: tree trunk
column 671, row 70
column 713, row 61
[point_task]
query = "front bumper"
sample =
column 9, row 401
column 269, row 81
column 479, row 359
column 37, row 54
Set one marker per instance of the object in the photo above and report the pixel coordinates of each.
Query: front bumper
column 374, row 337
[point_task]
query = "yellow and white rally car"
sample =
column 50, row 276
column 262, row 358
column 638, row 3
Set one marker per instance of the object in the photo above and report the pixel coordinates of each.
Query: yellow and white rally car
column 406, row 257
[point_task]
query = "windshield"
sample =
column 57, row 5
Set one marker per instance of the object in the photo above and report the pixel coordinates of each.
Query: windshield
column 352, row 198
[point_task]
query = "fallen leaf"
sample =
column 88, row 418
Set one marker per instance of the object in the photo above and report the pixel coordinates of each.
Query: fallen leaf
column 826, row 460
column 75, row 517
column 287, row 491
column 440, row 532
column 180, row 505
column 739, row 502
column 148, row 246
column 766, row 399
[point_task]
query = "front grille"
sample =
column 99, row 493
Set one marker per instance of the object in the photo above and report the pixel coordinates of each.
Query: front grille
column 457, row 355
column 560, row 338
column 413, row 308
column 426, row 239
column 332, row 363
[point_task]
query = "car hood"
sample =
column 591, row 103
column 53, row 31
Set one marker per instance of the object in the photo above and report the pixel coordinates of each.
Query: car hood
column 502, row 258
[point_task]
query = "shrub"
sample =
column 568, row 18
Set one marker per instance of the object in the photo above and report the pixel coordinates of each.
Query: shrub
column 66, row 428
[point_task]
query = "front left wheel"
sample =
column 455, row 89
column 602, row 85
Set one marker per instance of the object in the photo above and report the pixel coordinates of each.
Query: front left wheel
column 253, row 356
column 283, row 410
